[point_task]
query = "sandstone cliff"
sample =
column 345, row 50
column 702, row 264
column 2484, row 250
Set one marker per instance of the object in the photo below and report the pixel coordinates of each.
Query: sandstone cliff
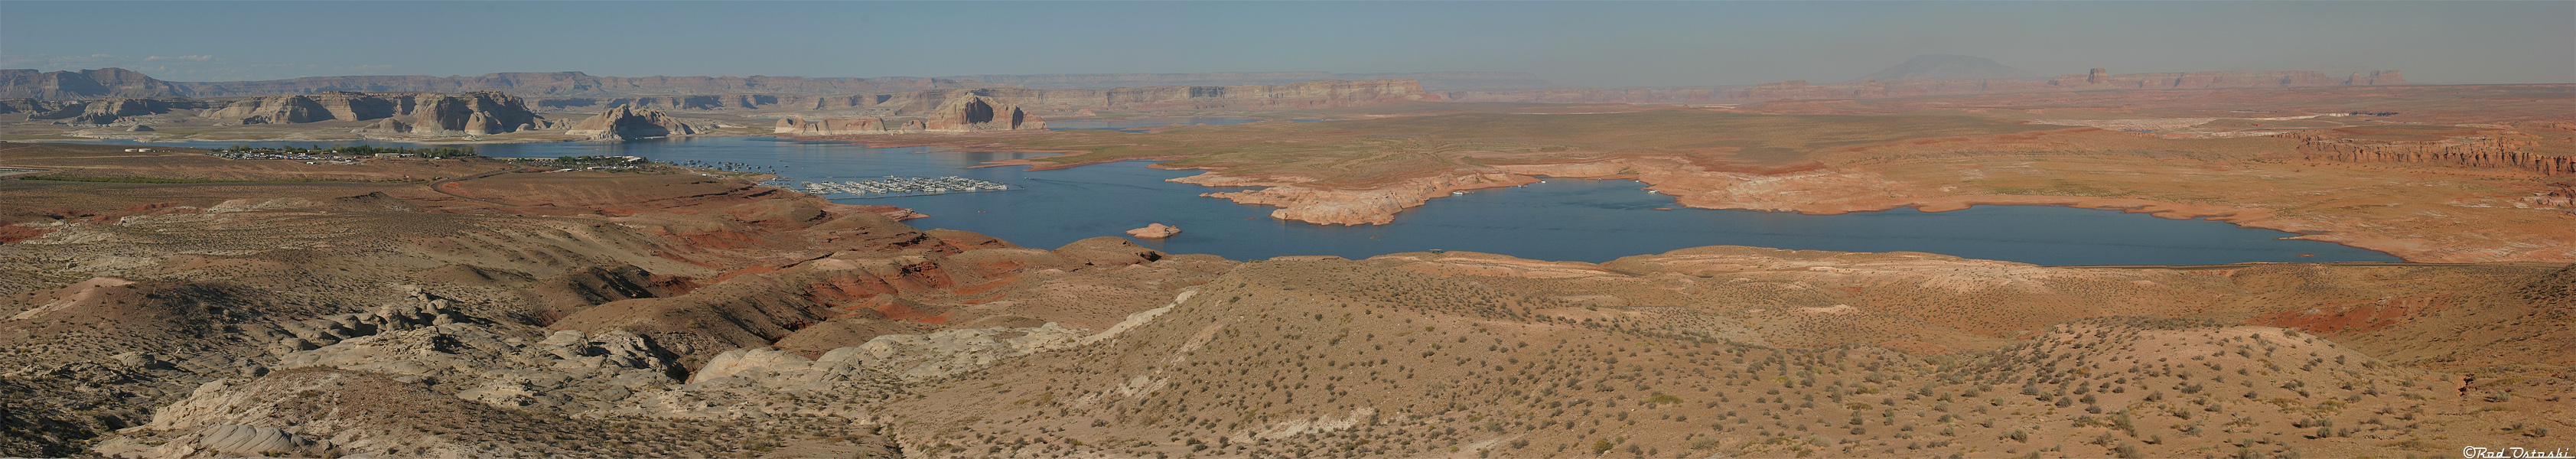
column 831, row 126
column 978, row 114
column 2498, row 148
column 704, row 102
column 623, row 123
column 106, row 111
column 471, row 113
column 965, row 113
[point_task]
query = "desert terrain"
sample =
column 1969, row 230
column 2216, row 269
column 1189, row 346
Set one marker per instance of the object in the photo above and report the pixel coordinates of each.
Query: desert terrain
column 176, row 304
column 169, row 302
column 2432, row 174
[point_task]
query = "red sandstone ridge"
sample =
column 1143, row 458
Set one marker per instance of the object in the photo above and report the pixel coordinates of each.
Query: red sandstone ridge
column 2469, row 147
column 623, row 123
column 469, row 113
column 830, row 126
column 980, row 114
column 1154, row 231
column 969, row 113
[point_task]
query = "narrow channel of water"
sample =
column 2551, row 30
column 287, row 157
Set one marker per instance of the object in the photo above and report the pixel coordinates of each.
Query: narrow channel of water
column 1574, row 220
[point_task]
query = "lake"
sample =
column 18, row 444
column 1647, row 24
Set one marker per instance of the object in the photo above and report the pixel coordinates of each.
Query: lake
column 1562, row 219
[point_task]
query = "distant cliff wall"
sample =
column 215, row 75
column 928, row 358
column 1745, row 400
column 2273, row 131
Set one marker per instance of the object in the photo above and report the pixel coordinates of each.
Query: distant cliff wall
column 2097, row 80
column 102, row 111
column 831, row 126
column 482, row 112
column 980, row 114
column 1299, row 95
column 2498, row 148
column 624, row 123
column 81, row 84
column 963, row 113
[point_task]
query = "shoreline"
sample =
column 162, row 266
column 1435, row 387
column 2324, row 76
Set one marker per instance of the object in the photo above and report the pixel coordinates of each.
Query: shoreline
column 1297, row 199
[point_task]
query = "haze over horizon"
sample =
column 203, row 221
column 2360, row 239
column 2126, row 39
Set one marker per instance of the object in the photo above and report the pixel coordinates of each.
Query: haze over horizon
column 1598, row 44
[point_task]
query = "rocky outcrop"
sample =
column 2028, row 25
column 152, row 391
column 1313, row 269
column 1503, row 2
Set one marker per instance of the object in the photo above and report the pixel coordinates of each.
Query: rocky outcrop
column 1154, row 231
column 831, row 126
column 109, row 111
column 387, row 125
column 2497, row 148
column 624, row 123
column 975, row 113
column 471, row 113
column 704, row 102
column 81, row 84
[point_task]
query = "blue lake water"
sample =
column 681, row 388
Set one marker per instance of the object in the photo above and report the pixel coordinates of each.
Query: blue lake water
column 1575, row 220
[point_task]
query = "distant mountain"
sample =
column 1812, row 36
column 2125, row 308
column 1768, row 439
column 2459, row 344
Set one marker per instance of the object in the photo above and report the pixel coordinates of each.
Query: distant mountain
column 1947, row 66
column 80, row 84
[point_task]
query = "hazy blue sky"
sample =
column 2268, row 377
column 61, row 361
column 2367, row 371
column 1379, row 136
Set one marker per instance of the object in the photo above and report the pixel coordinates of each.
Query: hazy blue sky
column 1581, row 43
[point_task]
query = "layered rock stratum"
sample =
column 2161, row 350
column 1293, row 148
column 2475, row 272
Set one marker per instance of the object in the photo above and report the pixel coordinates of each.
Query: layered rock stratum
column 626, row 123
column 470, row 113
column 977, row 113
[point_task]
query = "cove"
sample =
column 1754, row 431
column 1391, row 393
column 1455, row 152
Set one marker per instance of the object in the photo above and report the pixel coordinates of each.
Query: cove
column 1563, row 219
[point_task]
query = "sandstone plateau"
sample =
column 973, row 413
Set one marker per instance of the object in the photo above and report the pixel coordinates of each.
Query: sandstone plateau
column 471, row 113
column 624, row 123
column 970, row 113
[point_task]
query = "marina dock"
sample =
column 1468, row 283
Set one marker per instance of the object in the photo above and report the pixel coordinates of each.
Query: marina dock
column 891, row 186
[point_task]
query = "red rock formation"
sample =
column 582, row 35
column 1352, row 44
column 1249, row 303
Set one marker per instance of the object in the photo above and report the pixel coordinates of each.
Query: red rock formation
column 831, row 126
column 624, row 123
column 666, row 103
column 470, row 113
column 110, row 110
column 978, row 114
column 2481, row 148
